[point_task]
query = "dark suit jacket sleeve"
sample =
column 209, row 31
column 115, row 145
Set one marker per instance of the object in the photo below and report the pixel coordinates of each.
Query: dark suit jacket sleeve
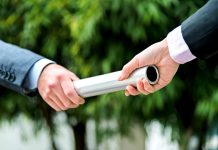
column 15, row 62
column 200, row 31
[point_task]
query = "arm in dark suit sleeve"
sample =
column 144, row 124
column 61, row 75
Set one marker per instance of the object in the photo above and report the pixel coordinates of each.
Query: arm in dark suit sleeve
column 15, row 63
column 200, row 31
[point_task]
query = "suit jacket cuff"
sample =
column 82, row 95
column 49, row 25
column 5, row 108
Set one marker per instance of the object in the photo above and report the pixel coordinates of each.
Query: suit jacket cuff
column 31, row 81
column 178, row 49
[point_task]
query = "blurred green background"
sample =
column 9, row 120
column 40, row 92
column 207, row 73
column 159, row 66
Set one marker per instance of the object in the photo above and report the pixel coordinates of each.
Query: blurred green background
column 100, row 36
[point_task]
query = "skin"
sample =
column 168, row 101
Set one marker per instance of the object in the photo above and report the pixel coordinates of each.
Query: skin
column 157, row 54
column 56, row 88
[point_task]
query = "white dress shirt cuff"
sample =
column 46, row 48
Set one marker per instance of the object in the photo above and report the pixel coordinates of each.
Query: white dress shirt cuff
column 178, row 49
column 31, row 80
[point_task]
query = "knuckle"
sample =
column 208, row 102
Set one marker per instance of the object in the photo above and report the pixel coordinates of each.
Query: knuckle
column 59, row 76
column 52, row 84
column 76, row 100
column 46, row 97
column 67, row 104
column 125, row 68
column 47, row 93
column 69, row 94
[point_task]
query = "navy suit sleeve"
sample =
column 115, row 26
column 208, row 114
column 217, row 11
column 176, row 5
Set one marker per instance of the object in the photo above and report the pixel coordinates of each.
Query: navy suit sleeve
column 200, row 31
column 15, row 63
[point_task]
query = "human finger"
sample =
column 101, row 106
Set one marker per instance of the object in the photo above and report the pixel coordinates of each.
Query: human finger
column 51, row 103
column 132, row 90
column 140, row 87
column 129, row 68
column 70, row 92
column 148, row 87
column 56, row 100
column 63, row 98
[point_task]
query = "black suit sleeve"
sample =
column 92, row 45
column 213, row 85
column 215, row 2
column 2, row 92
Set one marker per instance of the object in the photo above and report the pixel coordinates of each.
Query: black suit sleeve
column 200, row 31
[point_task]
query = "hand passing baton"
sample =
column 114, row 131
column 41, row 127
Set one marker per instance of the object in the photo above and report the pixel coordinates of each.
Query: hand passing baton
column 108, row 83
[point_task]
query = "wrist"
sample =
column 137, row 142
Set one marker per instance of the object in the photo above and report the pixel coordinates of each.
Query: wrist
column 31, row 80
column 178, row 49
column 166, row 52
column 47, row 69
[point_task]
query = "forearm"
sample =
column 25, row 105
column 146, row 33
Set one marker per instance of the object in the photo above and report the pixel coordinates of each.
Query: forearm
column 178, row 49
column 197, row 36
column 15, row 63
column 200, row 31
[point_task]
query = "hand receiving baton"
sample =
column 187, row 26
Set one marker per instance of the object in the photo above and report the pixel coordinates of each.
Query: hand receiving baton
column 108, row 83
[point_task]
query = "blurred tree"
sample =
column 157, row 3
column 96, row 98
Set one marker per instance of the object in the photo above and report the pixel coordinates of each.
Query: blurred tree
column 96, row 37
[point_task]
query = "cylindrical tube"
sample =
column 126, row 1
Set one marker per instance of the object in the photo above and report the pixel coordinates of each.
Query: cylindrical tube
column 108, row 83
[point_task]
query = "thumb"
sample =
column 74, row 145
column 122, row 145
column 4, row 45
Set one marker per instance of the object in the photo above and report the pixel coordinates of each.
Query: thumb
column 129, row 68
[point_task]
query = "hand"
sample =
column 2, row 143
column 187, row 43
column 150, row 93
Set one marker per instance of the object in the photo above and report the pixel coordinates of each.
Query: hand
column 157, row 54
column 56, row 88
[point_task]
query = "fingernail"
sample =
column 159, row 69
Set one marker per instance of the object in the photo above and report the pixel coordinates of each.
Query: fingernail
column 144, row 81
column 82, row 102
column 126, row 94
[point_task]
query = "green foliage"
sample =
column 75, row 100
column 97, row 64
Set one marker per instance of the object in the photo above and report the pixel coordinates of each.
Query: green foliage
column 96, row 37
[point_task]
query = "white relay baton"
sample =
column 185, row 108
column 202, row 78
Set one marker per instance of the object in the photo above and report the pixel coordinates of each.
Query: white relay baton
column 108, row 83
